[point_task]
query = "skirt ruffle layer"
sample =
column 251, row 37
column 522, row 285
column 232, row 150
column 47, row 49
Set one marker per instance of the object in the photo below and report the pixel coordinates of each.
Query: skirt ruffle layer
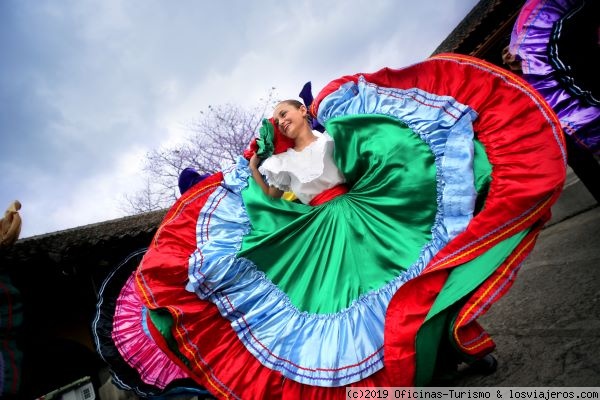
column 229, row 331
column 556, row 42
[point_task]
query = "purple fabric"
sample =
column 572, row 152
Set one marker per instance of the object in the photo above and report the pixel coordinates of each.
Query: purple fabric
column 529, row 42
column 188, row 178
column 307, row 97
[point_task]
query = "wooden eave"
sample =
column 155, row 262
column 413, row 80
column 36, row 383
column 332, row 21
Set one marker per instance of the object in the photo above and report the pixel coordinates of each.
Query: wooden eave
column 484, row 31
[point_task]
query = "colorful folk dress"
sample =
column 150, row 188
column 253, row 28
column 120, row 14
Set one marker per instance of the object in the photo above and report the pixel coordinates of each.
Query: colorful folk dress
column 251, row 297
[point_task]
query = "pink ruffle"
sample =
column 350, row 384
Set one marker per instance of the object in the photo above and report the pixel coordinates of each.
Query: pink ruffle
column 135, row 344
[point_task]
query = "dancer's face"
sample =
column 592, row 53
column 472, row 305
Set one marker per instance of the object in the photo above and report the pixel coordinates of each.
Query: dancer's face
column 289, row 119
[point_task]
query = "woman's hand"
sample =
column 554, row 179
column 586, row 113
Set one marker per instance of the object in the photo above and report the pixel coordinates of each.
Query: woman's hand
column 254, row 161
column 268, row 190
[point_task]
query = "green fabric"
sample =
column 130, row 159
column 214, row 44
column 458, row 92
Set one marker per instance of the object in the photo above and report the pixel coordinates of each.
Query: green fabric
column 357, row 242
column 265, row 140
column 461, row 281
column 163, row 322
column 386, row 216
column 427, row 343
column 482, row 169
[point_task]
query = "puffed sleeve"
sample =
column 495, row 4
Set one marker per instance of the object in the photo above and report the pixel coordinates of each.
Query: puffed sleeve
column 275, row 171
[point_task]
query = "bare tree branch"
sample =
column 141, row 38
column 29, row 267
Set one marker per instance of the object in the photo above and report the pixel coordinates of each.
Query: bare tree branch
column 216, row 138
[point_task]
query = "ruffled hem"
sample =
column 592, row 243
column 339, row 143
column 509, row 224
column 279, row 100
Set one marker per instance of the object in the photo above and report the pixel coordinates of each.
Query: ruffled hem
column 262, row 315
column 521, row 135
column 534, row 40
column 129, row 375
column 132, row 339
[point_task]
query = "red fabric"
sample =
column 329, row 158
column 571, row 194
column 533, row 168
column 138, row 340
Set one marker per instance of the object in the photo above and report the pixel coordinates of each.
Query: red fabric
column 154, row 367
column 519, row 132
column 251, row 149
column 524, row 183
column 329, row 194
column 524, row 144
column 468, row 334
column 202, row 335
column 281, row 142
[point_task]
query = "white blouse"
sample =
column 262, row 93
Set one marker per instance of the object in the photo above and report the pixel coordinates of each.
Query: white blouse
column 307, row 172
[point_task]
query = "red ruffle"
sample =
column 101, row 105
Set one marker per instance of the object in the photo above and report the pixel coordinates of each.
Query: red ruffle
column 524, row 144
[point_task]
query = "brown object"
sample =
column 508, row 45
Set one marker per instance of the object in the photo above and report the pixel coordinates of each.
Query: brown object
column 10, row 225
column 512, row 61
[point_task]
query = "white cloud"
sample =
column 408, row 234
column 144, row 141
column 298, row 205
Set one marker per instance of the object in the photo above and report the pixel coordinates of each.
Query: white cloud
column 94, row 85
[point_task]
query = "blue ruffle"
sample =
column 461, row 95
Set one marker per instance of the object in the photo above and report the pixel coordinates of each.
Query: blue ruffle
column 347, row 346
column 443, row 123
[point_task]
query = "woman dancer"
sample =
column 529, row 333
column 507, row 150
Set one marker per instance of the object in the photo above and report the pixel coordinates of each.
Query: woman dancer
column 432, row 212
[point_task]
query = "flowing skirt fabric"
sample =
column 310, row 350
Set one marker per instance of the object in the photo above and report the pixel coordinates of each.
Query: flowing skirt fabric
column 558, row 44
column 253, row 297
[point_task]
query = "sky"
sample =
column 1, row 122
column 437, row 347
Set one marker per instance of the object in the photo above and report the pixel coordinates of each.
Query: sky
column 89, row 87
